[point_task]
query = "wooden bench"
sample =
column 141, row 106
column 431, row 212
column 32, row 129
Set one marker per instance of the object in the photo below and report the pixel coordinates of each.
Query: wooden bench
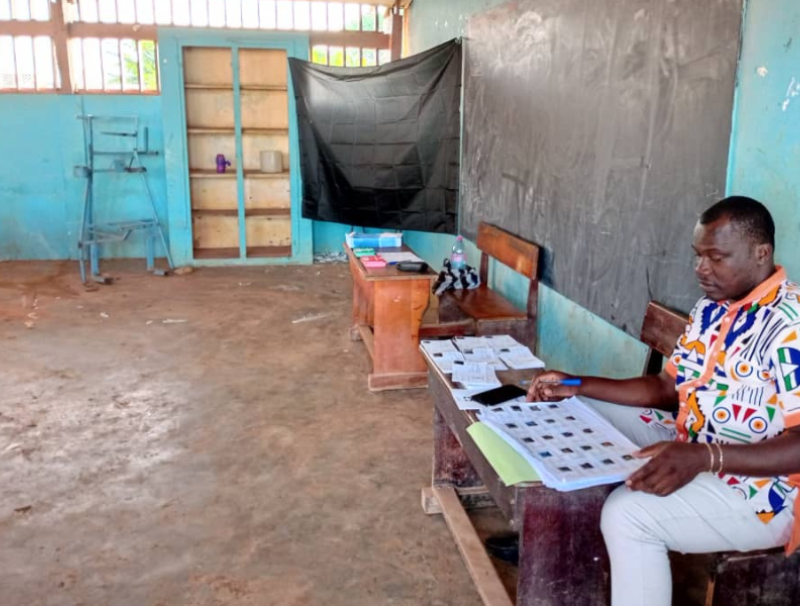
column 483, row 311
column 735, row 578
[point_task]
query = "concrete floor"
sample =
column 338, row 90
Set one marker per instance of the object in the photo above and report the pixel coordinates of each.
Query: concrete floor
column 180, row 441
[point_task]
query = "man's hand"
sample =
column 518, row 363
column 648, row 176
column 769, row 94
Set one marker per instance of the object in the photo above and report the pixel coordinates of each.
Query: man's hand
column 672, row 466
column 545, row 387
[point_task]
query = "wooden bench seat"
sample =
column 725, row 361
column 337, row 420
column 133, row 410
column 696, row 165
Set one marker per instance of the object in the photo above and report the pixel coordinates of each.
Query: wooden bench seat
column 483, row 311
column 483, row 303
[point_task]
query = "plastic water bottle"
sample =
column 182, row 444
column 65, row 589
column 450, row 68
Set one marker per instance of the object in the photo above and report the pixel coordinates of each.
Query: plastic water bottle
column 457, row 258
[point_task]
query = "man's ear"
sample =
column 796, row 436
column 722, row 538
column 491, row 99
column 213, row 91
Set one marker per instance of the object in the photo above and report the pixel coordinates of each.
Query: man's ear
column 763, row 253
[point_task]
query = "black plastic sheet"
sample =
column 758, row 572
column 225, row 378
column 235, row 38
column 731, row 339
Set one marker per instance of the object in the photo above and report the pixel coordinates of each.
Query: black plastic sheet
column 379, row 147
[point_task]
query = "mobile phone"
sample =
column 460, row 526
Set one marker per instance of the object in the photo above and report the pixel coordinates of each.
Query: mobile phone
column 498, row 395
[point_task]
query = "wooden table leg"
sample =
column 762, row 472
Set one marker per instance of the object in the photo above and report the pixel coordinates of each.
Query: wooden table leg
column 563, row 559
column 398, row 307
column 451, row 466
column 362, row 302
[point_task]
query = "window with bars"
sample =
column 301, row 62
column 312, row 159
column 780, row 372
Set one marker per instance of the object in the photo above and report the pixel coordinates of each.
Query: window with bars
column 114, row 65
column 295, row 15
column 349, row 56
column 109, row 46
column 27, row 62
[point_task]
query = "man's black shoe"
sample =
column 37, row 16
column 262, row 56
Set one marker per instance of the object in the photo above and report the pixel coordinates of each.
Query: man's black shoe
column 504, row 547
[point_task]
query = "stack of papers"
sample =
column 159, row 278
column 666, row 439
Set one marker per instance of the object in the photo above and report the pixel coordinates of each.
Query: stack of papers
column 473, row 361
column 484, row 354
column 568, row 445
column 393, row 258
column 475, row 375
column 463, row 398
column 443, row 354
column 519, row 357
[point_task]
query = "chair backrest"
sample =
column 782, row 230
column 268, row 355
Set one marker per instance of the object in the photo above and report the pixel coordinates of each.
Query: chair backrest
column 661, row 329
column 518, row 254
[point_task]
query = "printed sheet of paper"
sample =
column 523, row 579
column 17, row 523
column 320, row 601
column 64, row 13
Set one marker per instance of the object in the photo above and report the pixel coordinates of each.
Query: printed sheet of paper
column 569, row 445
column 484, row 354
column 501, row 341
column 433, row 346
column 446, row 359
column 463, row 398
column 470, row 343
column 398, row 257
column 519, row 358
column 474, row 374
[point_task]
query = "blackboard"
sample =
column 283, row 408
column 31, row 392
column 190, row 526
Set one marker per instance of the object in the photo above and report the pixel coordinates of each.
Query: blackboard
column 599, row 129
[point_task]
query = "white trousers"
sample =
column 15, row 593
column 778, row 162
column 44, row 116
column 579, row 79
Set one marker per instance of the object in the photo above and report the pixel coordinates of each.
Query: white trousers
column 704, row 516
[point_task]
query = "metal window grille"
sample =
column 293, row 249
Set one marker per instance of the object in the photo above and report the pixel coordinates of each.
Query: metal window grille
column 298, row 15
column 37, row 37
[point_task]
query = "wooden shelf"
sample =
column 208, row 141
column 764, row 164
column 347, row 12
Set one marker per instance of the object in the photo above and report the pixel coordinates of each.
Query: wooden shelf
column 268, row 212
column 207, row 173
column 222, row 222
column 203, row 130
column 207, row 130
column 192, row 86
column 265, row 131
column 269, row 251
column 269, row 88
column 257, row 174
column 216, row 212
column 272, row 88
column 249, row 212
column 216, row 253
column 211, row 174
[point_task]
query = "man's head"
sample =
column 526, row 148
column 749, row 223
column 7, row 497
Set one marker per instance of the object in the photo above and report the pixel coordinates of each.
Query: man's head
column 734, row 242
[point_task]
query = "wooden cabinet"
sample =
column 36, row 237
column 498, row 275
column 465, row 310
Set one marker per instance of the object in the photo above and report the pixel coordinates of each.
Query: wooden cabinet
column 236, row 104
column 229, row 92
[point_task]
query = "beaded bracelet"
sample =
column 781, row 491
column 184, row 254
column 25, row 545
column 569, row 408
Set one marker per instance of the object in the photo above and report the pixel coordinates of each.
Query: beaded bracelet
column 710, row 457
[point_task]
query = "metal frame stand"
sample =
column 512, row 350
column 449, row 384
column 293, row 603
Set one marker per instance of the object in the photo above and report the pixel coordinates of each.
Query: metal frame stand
column 127, row 160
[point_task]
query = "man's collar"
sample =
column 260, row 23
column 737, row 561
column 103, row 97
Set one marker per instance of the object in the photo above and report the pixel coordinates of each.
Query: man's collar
column 760, row 291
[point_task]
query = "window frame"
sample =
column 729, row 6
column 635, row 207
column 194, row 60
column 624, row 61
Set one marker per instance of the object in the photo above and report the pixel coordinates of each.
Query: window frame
column 64, row 26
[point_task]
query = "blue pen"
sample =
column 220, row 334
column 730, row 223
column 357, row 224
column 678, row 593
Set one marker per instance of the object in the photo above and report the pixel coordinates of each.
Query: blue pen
column 574, row 382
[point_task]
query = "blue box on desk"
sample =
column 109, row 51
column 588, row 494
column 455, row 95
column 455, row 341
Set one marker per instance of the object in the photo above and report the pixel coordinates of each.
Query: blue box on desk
column 356, row 239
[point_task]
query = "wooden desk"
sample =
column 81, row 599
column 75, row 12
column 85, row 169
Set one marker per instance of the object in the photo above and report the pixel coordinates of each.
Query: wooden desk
column 562, row 560
column 388, row 306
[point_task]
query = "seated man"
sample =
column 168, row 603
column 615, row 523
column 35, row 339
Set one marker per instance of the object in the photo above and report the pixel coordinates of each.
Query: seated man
column 717, row 478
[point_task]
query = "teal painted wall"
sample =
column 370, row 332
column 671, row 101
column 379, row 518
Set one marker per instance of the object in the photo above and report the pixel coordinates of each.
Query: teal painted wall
column 765, row 149
column 41, row 142
column 40, row 200
column 570, row 337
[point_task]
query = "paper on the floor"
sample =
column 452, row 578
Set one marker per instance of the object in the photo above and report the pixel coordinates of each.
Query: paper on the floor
column 519, row 358
column 568, row 444
column 507, row 462
column 474, row 374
